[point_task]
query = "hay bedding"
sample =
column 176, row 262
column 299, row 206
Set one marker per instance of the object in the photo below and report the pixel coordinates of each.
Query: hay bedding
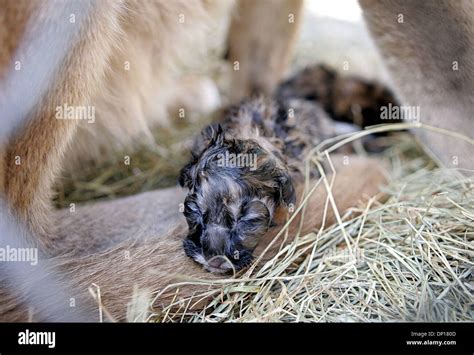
column 409, row 258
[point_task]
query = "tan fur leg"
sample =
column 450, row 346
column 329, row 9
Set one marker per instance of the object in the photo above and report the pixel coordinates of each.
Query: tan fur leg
column 429, row 48
column 261, row 39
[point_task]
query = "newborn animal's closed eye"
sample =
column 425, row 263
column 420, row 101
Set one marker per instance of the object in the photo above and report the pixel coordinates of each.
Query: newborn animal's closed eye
column 253, row 223
column 254, row 211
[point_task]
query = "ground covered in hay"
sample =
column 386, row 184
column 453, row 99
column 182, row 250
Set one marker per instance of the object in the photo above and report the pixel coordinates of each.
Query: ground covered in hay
column 409, row 258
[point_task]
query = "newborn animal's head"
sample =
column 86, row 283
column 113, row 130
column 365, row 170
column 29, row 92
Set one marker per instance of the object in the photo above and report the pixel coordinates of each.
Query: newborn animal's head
column 235, row 185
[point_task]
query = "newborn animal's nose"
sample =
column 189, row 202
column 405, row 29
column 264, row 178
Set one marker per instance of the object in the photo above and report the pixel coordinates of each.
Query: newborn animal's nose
column 216, row 262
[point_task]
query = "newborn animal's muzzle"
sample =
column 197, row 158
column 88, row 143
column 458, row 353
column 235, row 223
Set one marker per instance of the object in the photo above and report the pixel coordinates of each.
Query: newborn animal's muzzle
column 216, row 262
column 219, row 264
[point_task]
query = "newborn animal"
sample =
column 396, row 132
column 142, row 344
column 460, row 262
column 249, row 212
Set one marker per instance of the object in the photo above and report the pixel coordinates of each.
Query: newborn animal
column 244, row 168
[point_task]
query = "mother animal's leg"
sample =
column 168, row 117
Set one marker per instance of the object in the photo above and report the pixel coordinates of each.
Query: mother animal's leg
column 260, row 42
column 428, row 47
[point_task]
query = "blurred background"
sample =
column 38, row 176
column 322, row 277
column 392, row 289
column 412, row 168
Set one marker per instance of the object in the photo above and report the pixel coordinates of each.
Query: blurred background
column 333, row 32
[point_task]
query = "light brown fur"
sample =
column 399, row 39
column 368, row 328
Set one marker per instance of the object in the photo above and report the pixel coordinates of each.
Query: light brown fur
column 249, row 44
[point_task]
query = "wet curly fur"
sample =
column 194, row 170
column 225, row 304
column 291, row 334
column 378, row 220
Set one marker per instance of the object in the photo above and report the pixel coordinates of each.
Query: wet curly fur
column 246, row 166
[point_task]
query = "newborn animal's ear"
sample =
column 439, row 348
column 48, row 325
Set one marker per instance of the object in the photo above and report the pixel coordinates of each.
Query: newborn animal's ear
column 286, row 192
column 213, row 135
